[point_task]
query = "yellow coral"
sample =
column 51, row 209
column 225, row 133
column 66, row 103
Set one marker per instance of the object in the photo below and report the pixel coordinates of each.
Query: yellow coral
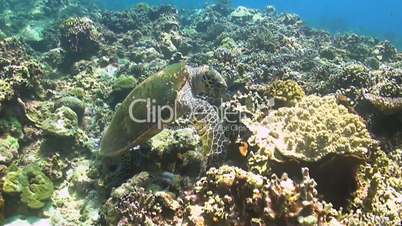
column 313, row 129
column 285, row 92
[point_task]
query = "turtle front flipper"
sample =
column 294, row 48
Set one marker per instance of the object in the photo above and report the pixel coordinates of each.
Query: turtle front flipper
column 205, row 119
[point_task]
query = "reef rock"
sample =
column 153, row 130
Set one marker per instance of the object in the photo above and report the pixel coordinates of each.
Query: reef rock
column 80, row 36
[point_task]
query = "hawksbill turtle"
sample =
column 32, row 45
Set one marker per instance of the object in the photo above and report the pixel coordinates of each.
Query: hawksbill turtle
column 177, row 85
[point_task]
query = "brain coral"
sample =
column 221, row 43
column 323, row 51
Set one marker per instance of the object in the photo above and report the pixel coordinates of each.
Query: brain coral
column 315, row 128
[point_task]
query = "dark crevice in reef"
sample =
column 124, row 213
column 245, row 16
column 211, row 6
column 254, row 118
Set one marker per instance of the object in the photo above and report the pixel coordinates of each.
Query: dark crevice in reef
column 335, row 177
column 386, row 128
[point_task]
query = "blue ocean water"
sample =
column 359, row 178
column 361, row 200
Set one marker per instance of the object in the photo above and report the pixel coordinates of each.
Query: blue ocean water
column 381, row 19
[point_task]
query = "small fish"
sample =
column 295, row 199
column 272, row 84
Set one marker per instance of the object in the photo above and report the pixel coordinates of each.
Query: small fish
column 243, row 148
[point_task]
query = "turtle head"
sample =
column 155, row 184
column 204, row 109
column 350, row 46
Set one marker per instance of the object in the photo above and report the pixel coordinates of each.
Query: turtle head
column 206, row 81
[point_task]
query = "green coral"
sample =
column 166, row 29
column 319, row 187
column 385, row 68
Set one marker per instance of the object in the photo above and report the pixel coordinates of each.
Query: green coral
column 285, row 93
column 63, row 123
column 12, row 126
column 8, row 148
column 31, row 183
column 11, row 182
column 75, row 104
column 229, row 43
column 121, row 87
column 6, row 91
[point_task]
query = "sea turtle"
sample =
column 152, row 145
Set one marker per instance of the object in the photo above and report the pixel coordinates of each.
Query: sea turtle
column 145, row 110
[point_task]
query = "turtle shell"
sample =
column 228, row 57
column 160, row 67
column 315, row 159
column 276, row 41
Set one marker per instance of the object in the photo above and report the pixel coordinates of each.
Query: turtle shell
column 160, row 89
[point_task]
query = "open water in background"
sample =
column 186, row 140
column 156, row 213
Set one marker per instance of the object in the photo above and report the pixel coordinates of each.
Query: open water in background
column 379, row 18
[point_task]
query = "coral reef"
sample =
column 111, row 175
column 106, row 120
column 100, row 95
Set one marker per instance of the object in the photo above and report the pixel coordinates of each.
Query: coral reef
column 19, row 74
column 378, row 200
column 386, row 105
column 229, row 195
column 225, row 196
column 316, row 133
column 300, row 98
column 132, row 204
